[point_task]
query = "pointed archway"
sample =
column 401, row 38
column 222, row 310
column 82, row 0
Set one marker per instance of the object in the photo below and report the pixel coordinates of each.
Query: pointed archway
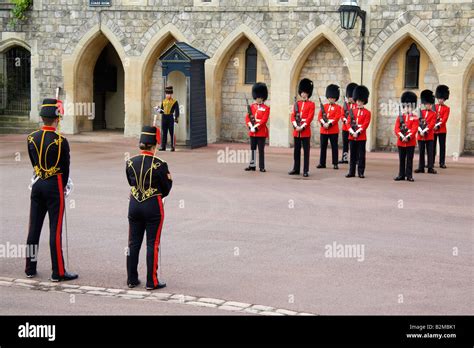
column 78, row 72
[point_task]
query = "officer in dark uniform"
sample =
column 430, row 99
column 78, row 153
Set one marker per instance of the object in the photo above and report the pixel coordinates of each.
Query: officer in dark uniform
column 49, row 155
column 169, row 110
column 151, row 182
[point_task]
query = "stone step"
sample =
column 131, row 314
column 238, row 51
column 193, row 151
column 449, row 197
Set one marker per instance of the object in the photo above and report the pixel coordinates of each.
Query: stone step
column 17, row 130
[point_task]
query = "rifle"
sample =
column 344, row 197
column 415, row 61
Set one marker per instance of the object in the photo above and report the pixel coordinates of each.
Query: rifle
column 403, row 126
column 438, row 117
column 348, row 110
column 297, row 113
column 324, row 114
column 422, row 121
column 249, row 111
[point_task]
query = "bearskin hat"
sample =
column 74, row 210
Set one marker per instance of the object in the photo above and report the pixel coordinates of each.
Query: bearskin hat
column 332, row 91
column 350, row 89
column 260, row 90
column 442, row 92
column 169, row 90
column 361, row 93
column 427, row 97
column 305, row 85
column 409, row 97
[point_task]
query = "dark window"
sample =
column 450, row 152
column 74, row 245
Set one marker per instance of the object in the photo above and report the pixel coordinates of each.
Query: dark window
column 251, row 64
column 412, row 67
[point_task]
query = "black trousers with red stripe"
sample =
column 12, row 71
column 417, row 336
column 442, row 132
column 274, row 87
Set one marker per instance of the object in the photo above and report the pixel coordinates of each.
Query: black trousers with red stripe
column 47, row 196
column 144, row 216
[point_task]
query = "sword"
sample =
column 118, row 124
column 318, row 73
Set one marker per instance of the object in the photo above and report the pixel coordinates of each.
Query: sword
column 161, row 246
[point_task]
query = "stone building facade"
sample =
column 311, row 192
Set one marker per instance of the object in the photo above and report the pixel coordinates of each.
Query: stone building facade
column 294, row 38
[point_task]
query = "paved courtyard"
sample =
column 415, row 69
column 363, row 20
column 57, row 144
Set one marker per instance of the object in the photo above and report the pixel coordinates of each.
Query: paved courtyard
column 255, row 238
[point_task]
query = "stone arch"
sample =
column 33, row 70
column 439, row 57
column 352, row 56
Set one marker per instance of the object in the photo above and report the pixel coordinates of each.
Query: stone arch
column 308, row 45
column 386, row 70
column 151, row 71
column 11, row 42
column 78, row 69
column 467, row 122
column 318, row 53
column 217, row 66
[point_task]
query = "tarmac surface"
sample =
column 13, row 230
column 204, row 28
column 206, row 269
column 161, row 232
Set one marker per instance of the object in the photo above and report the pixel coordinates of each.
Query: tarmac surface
column 258, row 238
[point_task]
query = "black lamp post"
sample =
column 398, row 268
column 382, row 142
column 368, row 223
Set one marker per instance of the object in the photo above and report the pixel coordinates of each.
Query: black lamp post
column 349, row 11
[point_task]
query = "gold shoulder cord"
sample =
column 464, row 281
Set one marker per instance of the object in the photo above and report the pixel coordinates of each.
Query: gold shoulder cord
column 45, row 172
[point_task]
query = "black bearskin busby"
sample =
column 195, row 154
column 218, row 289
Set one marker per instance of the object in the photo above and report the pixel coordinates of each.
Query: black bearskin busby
column 332, row 91
column 169, row 90
column 427, row 97
column 306, row 85
column 409, row 97
column 260, row 90
column 350, row 89
column 361, row 93
column 442, row 92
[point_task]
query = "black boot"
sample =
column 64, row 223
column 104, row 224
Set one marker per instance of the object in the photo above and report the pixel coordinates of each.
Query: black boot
column 432, row 171
column 67, row 276
column 336, row 166
column 420, row 170
column 350, row 175
column 399, row 178
column 293, row 172
column 159, row 286
column 305, row 174
column 249, row 168
column 133, row 284
column 320, row 166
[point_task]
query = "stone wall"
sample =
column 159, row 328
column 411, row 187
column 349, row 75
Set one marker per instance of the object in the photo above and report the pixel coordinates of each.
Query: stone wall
column 469, row 138
column 390, row 88
column 234, row 92
column 324, row 66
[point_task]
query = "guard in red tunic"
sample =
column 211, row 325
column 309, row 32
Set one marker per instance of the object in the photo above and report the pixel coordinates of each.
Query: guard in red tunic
column 49, row 156
column 406, row 127
column 256, row 120
column 358, row 132
column 329, row 120
column 301, row 118
column 351, row 105
column 442, row 115
column 425, row 137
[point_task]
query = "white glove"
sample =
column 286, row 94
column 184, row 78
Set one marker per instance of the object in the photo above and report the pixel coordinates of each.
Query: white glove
column 34, row 179
column 69, row 187
column 344, row 120
column 326, row 125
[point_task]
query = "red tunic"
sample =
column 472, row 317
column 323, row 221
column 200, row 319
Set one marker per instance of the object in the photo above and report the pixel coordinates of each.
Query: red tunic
column 362, row 116
column 442, row 111
column 334, row 112
column 411, row 122
column 261, row 113
column 306, row 109
column 430, row 119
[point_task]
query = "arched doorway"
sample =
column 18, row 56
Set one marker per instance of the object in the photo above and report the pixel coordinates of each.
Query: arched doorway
column 469, row 133
column 108, row 95
column 324, row 65
column 244, row 66
column 15, row 82
column 408, row 68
